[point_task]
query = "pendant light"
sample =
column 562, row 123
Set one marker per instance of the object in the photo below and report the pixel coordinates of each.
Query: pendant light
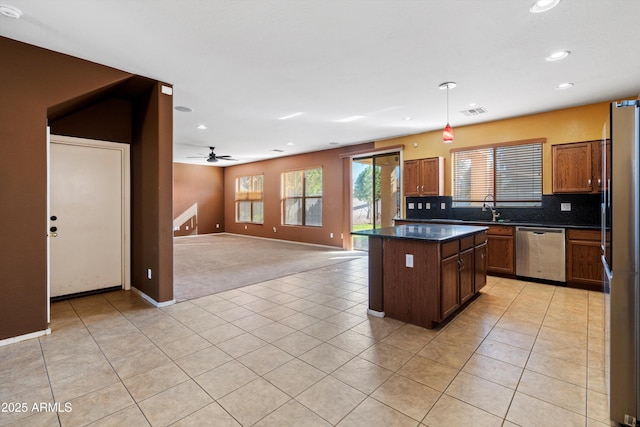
column 447, row 133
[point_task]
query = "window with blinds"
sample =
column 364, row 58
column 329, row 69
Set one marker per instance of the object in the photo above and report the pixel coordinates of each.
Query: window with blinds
column 250, row 199
column 505, row 175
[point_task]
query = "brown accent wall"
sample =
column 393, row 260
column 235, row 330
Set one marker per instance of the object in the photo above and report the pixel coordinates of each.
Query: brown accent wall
column 203, row 185
column 38, row 86
column 333, row 200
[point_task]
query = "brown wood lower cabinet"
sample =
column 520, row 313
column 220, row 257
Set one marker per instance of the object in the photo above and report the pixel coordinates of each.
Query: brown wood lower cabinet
column 444, row 276
column 501, row 250
column 584, row 265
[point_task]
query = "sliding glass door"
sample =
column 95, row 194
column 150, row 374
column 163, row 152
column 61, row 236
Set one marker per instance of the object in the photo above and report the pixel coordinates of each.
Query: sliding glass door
column 375, row 194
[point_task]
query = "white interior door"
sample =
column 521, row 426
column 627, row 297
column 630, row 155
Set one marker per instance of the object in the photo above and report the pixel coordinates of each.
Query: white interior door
column 89, row 215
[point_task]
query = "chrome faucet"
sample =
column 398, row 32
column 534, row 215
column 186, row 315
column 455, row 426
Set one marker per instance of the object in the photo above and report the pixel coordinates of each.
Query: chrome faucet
column 494, row 213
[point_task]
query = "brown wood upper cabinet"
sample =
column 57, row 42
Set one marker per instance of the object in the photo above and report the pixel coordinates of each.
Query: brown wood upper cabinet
column 424, row 177
column 577, row 167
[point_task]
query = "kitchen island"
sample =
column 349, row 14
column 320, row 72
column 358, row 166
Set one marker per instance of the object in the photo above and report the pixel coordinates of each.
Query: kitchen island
column 423, row 273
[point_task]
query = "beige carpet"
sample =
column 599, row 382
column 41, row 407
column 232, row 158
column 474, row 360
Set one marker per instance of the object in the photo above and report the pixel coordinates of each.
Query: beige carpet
column 212, row 263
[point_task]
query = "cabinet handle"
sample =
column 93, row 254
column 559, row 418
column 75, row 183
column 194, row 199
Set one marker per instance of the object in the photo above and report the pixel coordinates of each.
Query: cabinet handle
column 460, row 265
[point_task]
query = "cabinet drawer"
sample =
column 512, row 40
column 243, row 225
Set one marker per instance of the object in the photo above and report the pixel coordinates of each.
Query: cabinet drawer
column 449, row 248
column 480, row 238
column 579, row 234
column 466, row 243
column 502, row 230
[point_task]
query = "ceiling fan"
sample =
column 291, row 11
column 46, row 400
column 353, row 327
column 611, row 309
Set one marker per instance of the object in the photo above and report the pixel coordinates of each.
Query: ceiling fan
column 213, row 157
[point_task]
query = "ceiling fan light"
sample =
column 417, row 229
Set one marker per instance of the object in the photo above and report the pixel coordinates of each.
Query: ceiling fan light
column 447, row 134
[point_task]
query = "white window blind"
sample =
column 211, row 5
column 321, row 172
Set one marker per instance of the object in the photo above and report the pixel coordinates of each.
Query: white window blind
column 505, row 175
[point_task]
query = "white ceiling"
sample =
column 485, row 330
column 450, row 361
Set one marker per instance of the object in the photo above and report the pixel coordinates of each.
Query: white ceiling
column 242, row 64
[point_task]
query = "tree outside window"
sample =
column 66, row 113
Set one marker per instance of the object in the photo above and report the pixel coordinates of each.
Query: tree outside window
column 302, row 197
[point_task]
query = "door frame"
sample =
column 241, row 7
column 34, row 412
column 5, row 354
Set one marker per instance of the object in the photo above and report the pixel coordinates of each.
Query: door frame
column 125, row 156
column 348, row 186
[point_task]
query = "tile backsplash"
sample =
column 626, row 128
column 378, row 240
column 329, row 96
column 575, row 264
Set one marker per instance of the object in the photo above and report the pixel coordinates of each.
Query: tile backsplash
column 584, row 210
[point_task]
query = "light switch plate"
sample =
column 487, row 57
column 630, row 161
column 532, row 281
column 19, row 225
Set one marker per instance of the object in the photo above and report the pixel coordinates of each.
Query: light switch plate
column 565, row 207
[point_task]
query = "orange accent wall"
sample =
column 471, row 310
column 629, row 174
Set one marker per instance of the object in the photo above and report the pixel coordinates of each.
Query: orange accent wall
column 334, row 204
column 558, row 127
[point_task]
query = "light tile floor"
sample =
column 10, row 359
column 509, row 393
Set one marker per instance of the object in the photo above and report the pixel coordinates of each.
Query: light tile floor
column 301, row 351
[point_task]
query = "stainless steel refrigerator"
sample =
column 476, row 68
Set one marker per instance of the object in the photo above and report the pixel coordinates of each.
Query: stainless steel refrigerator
column 620, row 216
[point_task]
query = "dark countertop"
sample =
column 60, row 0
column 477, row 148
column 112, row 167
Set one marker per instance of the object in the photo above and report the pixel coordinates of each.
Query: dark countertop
column 429, row 232
column 510, row 223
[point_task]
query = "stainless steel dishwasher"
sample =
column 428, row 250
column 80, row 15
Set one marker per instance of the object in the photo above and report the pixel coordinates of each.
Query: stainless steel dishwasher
column 540, row 253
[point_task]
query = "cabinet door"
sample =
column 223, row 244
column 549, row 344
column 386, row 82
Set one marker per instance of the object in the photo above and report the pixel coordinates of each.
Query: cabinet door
column 430, row 177
column 501, row 254
column 449, row 295
column 480, row 266
column 572, row 168
column 467, row 275
column 411, row 178
column 584, row 263
column 597, row 165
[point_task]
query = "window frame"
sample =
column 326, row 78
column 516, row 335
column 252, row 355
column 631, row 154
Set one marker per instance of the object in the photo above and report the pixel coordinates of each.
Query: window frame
column 303, row 198
column 255, row 194
column 498, row 200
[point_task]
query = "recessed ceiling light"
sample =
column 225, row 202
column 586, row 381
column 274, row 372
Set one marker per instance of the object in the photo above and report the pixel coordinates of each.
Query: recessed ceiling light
column 10, row 11
column 183, row 109
column 289, row 143
column 563, row 86
column 349, row 119
column 291, row 116
column 543, row 5
column 407, row 118
column 202, row 127
column 472, row 104
column 557, row 56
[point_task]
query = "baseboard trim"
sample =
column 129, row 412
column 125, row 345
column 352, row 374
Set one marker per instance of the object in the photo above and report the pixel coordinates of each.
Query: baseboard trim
column 151, row 300
column 375, row 313
column 24, row 337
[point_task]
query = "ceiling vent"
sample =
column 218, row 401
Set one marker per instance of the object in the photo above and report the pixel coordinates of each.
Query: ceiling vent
column 474, row 111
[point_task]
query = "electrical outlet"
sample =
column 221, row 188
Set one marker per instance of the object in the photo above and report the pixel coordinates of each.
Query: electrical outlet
column 274, row 229
column 217, row 225
column 565, row 207
column 409, row 260
column 186, row 227
column 148, row 273
column 245, row 227
column 331, row 235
